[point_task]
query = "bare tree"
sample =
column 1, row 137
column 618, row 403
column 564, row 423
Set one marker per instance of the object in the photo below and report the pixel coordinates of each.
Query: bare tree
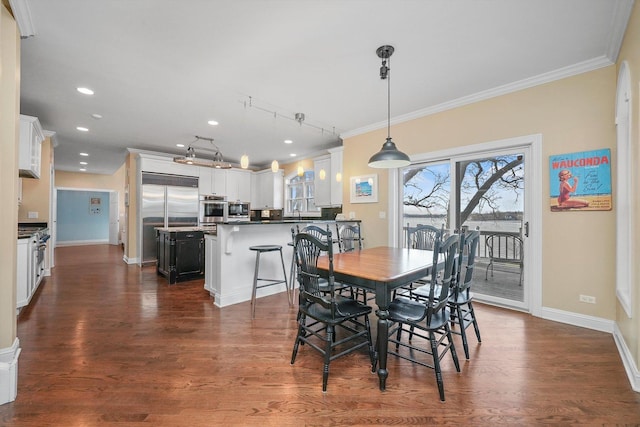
column 475, row 178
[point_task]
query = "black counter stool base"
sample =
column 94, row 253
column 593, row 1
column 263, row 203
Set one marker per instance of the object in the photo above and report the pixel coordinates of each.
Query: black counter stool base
column 269, row 282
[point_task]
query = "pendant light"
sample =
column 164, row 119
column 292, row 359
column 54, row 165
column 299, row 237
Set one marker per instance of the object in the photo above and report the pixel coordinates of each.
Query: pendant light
column 389, row 156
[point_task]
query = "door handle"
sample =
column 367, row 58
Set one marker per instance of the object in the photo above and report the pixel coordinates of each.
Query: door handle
column 526, row 229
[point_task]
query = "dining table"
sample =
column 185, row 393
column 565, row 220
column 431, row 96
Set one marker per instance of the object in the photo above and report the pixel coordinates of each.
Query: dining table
column 379, row 269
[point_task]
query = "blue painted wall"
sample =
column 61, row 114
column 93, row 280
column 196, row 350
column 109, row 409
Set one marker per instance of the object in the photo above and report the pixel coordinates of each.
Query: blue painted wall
column 78, row 220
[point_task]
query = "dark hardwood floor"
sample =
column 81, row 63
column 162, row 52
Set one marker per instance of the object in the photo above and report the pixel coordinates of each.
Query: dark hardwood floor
column 104, row 343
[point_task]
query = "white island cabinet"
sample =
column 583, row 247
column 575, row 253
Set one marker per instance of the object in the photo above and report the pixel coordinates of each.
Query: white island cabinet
column 230, row 264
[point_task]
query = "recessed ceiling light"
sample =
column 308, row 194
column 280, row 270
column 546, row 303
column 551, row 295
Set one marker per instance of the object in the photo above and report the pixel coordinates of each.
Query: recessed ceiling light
column 292, row 155
column 180, row 145
column 96, row 116
column 213, row 123
column 288, row 141
column 83, row 169
column 82, row 129
column 84, row 154
column 84, row 90
column 84, row 163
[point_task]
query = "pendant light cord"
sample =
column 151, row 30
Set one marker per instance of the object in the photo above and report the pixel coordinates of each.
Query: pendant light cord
column 389, row 99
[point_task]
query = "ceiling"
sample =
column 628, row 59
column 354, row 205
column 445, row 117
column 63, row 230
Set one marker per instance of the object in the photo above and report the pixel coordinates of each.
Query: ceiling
column 160, row 69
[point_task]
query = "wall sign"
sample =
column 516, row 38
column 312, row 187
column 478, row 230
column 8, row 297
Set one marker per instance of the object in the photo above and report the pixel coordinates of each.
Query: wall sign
column 580, row 181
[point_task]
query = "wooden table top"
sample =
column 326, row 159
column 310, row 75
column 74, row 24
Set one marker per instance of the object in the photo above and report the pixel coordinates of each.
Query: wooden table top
column 383, row 264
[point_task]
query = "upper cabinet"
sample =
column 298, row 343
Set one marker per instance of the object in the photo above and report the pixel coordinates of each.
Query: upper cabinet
column 322, row 181
column 328, row 179
column 165, row 165
column 268, row 189
column 31, row 137
column 238, row 185
column 336, row 176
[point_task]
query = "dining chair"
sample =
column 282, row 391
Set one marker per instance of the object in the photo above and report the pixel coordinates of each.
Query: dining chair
column 460, row 297
column 350, row 239
column 427, row 320
column 322, row 314
column 425, row 237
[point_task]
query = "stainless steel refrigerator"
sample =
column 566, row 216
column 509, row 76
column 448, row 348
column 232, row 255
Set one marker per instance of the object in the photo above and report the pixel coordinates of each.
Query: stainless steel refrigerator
column 167, row 201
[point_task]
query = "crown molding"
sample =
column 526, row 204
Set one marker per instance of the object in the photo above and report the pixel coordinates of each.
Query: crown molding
column 561, row 73
column 22, row 15
column 620, row 20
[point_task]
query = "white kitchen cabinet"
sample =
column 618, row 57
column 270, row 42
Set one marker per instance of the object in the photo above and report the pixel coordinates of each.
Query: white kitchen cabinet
column 328, row 191
column 219, row 182
column 22, row 274
column 322, row 181
column 19, row 191
column 212, row 265
column 238, row 185
column 336, row 176
column 204, row 180
column 30, row 152
column 267, row 189
column 150, row 163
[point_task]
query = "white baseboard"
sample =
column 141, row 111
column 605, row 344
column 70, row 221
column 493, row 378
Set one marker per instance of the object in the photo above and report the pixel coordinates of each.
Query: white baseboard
column 128, row 260
column 627, row 359
column 9, row 372
column 576, row 319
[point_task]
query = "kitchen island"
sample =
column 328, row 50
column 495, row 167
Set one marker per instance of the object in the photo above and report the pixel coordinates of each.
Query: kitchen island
column 229, row 264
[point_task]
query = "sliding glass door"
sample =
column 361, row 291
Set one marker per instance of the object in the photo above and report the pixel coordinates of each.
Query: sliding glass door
column 484, row 191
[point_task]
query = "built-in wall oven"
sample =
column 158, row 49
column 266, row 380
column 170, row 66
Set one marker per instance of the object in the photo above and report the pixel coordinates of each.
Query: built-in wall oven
column 213, row 209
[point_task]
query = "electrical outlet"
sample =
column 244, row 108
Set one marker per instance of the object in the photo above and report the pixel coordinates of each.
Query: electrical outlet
column 382, row 214
column 588, row 299
column 32, row 215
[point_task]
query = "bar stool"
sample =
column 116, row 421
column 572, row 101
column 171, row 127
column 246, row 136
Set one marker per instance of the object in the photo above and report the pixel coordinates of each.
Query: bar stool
column 270, row 282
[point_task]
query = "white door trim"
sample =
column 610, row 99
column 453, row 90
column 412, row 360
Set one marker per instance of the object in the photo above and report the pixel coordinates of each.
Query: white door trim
column 533, row 203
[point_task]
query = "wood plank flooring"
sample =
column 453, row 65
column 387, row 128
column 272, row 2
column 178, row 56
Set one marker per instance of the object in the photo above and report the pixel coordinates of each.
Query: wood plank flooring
column 104, row 343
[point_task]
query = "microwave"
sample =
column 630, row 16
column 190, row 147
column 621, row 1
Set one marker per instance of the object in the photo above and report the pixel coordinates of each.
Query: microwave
column 212, row 209
column 238, row 211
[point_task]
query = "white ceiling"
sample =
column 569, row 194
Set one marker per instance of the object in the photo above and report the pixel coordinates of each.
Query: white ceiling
column 161, row 68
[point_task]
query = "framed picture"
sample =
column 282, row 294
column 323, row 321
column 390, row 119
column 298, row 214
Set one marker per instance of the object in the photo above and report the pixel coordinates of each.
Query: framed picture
column 364, row 189
column 580, row 181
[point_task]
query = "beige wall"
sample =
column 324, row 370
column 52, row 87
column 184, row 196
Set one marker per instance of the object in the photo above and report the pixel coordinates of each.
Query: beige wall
column 36, row 193
column 92, row 181
column 573, row 114
column 630, row 52
column 9, row 137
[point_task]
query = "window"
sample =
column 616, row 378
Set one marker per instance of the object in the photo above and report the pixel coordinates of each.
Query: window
column 624, row 221
column 299, row 195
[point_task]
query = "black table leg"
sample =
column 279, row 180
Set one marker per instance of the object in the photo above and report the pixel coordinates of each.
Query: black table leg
column 383, row 342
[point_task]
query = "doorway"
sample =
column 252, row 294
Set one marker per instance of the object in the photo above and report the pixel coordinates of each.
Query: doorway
column 486, row 187
column 85, row 217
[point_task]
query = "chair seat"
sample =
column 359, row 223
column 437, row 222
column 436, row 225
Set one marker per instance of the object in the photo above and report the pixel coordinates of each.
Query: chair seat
column 265, row 248
column 345, row 308
column 405, row 310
